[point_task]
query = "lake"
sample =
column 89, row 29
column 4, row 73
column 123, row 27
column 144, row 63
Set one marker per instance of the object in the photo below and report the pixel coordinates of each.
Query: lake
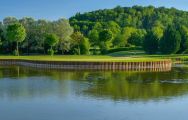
column 36, row 94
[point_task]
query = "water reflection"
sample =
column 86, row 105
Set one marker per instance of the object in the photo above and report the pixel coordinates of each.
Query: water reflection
column 18, row 82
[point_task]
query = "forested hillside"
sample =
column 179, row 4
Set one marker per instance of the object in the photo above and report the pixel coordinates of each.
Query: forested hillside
column 130, row 25
column 136, row 16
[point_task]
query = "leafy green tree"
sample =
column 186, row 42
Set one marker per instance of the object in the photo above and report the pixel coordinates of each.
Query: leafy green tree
column 158, row 31
column 0, row 38
column 29, row 25
column 9, row 21
column 76, row 28
column 127, row 32
column 98, row 26
column 5, row 47
column 16, row 33
column 113, row 27
column 84, row 46
column 63, row 30
column 85, row 29
column 80, row 44
column 1, row 34
column 51, row 40
column 137, row 37
column 105, row 35
column 105, row 38
column 184, row 36
column 170, row 42
column 119, row 41
column 94, row 39
column 40, row 29
column 77, row 37
column 150, row 44
column 119, row 9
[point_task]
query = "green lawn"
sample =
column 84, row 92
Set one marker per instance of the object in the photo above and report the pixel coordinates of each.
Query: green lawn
column 127, row 53
column 173, row 57
column 122, row 56
column 141, row 54
column 82, row 58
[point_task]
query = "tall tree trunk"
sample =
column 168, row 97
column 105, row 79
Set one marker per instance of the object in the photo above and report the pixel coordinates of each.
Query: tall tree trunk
column 78, row 50
column 51, row 50
column 44, row 50
column 95, row 50
column 27, row 47
column 44, row 47
column 62, row 51
column 17, row 48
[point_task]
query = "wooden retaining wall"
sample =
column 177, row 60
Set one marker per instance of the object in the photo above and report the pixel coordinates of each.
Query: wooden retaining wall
column 163, row 65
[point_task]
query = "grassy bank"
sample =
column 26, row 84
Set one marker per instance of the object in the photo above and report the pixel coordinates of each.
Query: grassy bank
column 84, row 58
column 141, row 54
column 174, row 57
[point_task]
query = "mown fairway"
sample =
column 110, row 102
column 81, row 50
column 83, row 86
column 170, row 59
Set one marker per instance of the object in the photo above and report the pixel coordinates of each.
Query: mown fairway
column 82, row 58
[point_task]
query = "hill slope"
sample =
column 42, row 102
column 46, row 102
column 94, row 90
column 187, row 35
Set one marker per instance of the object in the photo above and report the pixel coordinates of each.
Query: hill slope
column 136, row 16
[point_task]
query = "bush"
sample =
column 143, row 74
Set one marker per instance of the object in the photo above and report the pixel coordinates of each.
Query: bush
column 84, row 47
column 170, row 42
column 95, row 51
column 15, row 53
column 104, row 50
column 150, row 44
column 51, row 52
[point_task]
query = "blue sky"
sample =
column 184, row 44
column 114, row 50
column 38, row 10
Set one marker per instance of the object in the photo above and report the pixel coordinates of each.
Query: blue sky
column 54, row 9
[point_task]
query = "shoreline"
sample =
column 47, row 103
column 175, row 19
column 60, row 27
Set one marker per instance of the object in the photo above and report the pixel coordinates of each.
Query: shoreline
column 159, row 65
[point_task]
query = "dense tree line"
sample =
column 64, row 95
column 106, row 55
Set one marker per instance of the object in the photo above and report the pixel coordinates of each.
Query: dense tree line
column 157, row 30
column 137, row 26
column 37, row 36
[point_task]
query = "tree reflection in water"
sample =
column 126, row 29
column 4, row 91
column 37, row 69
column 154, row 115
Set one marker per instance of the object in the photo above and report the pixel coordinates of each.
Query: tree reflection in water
column 122, row 85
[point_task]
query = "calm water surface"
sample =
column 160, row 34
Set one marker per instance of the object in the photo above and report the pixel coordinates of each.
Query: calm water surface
column 31, row 94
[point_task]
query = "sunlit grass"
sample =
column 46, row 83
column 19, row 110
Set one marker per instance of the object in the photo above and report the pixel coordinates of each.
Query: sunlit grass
column 82, row 58
column 141, row 54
